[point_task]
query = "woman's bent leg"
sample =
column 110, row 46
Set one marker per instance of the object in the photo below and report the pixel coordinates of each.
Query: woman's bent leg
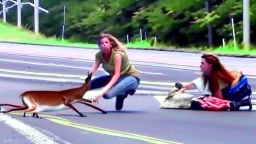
column 120, row 89
column 99, row 82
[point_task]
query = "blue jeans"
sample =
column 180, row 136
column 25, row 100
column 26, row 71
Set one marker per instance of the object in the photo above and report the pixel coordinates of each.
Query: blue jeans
column 124, row 84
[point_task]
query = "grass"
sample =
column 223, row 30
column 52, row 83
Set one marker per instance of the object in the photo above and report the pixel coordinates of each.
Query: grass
column 13, row 34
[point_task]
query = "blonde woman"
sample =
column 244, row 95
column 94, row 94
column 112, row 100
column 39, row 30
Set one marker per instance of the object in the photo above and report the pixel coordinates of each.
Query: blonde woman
column 123, row 78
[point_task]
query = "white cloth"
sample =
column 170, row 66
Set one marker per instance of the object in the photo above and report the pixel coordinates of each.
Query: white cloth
column 199, row 83
column 90, row 94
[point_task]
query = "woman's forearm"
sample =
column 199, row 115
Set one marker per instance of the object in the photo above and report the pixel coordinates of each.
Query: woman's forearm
column 95, row 66
column 113, row 80
column 189, row 86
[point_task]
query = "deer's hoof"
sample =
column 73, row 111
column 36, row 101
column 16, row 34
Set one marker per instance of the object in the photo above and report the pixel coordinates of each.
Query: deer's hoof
column 104, row 112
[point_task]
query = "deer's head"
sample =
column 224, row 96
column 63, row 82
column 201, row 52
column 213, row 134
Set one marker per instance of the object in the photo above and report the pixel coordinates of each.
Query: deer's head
column 89, row 78
column 85, row 87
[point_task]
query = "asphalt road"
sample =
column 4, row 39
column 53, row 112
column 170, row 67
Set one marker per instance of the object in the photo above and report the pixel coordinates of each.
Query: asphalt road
column 141, row 114
column 81, row 67
column 173, row 59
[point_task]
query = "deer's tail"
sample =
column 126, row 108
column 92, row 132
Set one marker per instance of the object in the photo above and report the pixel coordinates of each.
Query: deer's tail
column 9, row 104
column 14, row 105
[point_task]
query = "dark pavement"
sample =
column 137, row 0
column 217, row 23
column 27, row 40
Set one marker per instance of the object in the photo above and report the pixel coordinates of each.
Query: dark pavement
column 140, row 115
column 182, row 60
column 81, row 67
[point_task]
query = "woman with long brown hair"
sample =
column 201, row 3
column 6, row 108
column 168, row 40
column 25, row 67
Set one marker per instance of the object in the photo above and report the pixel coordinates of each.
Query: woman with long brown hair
column 217, row 82
column 123, row 78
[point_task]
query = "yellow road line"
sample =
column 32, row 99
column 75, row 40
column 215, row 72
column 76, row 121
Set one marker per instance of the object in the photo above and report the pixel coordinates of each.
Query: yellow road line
column 104, row 131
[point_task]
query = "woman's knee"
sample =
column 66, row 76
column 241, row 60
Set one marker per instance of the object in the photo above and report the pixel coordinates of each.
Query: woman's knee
column 133, row 82
column 131, row 85
column 128, row 85
column 99, row 81
column 107, row 96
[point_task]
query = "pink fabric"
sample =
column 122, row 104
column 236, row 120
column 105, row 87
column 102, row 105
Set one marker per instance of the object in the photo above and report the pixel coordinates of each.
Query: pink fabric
column 214, row 104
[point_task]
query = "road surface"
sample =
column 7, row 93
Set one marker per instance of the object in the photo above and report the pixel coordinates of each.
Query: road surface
column 140, row 116
column 145, row 57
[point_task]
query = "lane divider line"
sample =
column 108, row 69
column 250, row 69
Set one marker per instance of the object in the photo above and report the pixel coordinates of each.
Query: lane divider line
column 104, row 131
column 66, row 66
column 248, row 76
column 81, row 77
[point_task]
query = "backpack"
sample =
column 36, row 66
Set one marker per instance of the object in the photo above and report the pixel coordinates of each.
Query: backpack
column 238, row 91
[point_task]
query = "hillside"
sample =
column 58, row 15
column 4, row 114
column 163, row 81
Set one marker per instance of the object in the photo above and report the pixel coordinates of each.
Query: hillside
column 180, row 23
column 11, row 33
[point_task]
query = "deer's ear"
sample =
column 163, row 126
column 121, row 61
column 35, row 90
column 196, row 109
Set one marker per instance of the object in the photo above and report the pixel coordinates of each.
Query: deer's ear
column 90, row 74
column 88, row 77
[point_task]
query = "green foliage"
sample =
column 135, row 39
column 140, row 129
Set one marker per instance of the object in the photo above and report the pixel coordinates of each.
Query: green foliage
column 173, row 22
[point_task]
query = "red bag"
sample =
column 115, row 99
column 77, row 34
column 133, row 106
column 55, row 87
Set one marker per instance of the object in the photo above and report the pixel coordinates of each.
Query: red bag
column 210, row 103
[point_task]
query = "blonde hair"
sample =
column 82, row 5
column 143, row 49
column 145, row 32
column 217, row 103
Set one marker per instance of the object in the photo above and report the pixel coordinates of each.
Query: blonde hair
column 117, row 45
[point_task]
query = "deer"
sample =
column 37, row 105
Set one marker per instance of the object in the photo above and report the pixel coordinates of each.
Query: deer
column 45, row 101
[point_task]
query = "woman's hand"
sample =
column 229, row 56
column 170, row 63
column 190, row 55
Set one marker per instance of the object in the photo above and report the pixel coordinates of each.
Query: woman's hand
column 97, row 97
column 182, row 90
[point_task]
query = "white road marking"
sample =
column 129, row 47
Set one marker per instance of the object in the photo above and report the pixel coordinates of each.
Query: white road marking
column 40, row 78
column 55, row 136
column 160, row 98
column 67, row 66
column 71, row 78
column 252, row 77
column 30, row 133
column 151, row 73
column 45, row 64
column 64, row 79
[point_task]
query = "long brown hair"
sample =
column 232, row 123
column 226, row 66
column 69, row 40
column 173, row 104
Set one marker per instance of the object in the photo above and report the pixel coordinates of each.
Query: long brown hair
column 117, row 45
column 219, row 72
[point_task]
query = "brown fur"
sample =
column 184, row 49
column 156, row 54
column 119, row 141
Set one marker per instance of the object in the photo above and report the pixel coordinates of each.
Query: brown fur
column 55, row 98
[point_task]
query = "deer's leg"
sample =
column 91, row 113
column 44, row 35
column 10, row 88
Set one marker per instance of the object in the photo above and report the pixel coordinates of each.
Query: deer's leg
column 65, row 100
column 36, row 115
column 32, row 108
column 33, row 115
column 92, row 106
column 73, row 108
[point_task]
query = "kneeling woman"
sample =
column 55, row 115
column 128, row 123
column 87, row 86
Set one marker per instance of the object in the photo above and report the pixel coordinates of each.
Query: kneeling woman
column 123, row 78
column 218, row 82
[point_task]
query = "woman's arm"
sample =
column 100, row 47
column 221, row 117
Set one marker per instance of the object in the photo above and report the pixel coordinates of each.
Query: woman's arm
column 95, row 66
column 188, row 86
column 218, row 94
column 118, row 62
